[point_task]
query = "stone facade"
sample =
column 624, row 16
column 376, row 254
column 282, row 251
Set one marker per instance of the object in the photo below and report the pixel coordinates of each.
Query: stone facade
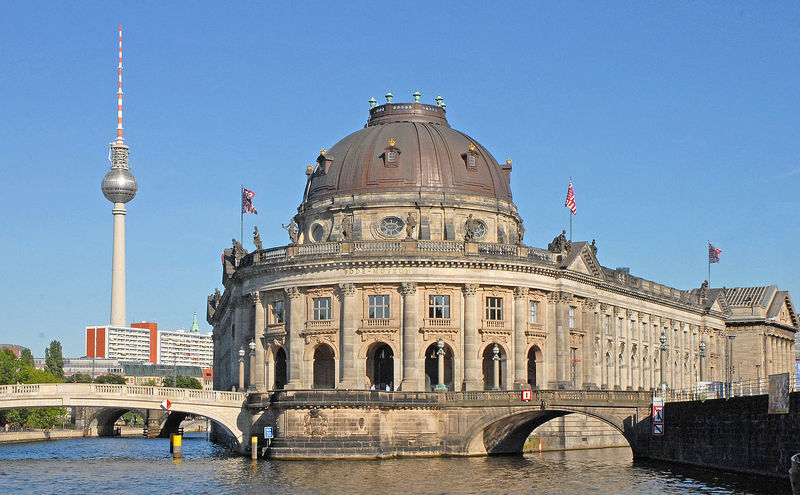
column 393, row 257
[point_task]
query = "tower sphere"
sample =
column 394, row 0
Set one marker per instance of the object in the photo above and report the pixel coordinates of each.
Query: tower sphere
column 119, row 186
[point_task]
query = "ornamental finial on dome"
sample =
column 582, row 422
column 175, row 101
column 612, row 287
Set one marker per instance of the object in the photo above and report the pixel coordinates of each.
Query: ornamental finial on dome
column 439, row 100
column 323, row 151
column 508, row 161
column 389, row 96
column 416, row 96
column 372, row 102
column 472, row 146
column 392, row 142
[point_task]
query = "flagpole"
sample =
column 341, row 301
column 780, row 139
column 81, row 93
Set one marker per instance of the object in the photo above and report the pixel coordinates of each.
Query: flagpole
column 709, row 263
column 241, row 218
column 570, row 214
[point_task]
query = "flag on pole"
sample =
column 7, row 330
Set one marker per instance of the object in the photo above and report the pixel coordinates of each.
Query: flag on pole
column 571, row 199
column 713, row 253
column 247, row 201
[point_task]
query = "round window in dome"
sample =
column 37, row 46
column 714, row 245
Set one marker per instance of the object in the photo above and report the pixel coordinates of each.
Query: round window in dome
column 480, row 230
column 391, row 226
column 318, row 233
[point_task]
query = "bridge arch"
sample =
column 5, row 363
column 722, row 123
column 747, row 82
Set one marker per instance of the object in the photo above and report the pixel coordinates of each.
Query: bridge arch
column 505, row 432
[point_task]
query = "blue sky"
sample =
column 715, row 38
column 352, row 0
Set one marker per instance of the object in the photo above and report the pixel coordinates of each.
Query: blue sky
column 678, row 122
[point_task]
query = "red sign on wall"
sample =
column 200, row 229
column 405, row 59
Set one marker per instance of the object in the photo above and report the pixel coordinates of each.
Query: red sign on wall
column 527, row 395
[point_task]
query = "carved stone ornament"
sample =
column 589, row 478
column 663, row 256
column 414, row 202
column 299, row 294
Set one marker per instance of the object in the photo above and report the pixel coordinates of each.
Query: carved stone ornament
column 643, row 316
column 629, row 314
column 255, row 298
column 348, row 289
column 315, row 423
column 604, row 307
column 408, row 288
column 575, row 340
column 293, row 292
column 495, row 335
column 559, row 297
column 590, row 304
column 470, row 289
column 520, row 292
column 320, row 291
column 536, row 294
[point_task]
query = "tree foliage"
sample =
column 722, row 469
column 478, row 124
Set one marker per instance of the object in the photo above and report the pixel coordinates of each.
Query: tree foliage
column 54, row 359
column 26, row 358
column 183, row 382
column 13, row 370
column 79, row 378
column 110, row 378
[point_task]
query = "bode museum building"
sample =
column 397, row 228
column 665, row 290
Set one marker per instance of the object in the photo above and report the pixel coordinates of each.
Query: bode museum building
column 407, row 269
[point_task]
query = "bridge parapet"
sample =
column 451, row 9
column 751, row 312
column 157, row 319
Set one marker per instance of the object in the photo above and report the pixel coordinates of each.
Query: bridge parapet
column 49, row 389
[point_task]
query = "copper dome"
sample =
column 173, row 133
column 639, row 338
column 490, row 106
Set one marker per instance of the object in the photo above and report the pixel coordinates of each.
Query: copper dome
column 407, row 147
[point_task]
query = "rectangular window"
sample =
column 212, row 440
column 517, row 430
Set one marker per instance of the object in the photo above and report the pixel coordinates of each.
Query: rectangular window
column 322, row 308
column 571, row 317
column 494, row 308
column 379, row 306
column 438, row 306
column 533, row 315
column 277, row 312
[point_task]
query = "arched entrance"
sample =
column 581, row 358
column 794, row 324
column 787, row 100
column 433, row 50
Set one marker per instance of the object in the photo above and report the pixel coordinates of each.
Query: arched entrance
column 324, row 367
column 432, row 367
column 534, row 364
column 380, row 366
column 488, row 367
column 280, row 369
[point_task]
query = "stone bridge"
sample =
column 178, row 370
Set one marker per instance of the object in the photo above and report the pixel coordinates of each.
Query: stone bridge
column 111, row 401
column 342, row 423
column 359, row 424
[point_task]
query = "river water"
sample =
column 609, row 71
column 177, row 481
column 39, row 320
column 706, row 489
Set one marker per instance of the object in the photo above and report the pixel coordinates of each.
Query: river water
column 137, row 465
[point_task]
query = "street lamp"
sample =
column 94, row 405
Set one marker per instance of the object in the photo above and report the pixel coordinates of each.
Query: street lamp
column 702, row 359
column 251, row 387
column 663, row 340
column 241, row 368
column 440, row 387
column 496, row 359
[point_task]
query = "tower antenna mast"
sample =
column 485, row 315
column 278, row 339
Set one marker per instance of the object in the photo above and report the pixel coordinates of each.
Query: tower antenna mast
column 119, row 92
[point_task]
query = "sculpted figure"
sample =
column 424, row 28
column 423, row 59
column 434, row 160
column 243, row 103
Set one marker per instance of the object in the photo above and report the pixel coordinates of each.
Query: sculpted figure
column 257, row 238
column 469, row 226
column 411, row 224
column 520, row 232
column 704, row 291
column 560, row 243
column 593, row 248
column 347, row 227
column 292, row 230
column 238, row 250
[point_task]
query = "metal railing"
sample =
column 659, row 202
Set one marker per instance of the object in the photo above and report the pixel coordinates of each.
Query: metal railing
column 722, row 390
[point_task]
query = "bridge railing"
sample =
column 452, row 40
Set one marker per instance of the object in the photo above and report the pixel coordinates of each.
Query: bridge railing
column 721, row 390
column 121, row 390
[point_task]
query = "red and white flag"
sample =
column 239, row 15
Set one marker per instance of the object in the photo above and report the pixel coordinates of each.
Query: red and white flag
column 247, row 201
column 571, row 199
column 713, row 253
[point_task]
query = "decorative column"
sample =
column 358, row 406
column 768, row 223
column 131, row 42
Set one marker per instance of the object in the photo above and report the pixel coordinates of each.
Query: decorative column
column 251, row 385
column 589, row 323
column 295, row 323
column 241, row 369
column 411, row 381
column 472, row 369
column 702, row 360
column 663, row 340
column 350, row 315
column 496, row 369
column 257, row 372
column 440, row 386
column 561, row 300
column 520, row 342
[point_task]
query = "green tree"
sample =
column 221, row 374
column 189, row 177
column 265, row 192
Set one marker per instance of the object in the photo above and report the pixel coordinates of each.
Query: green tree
column 26, row 358
column 79, row 378
column 110, row 378
column 8, row 367
column 183, row 382
column 151, row 382
column 54, row 359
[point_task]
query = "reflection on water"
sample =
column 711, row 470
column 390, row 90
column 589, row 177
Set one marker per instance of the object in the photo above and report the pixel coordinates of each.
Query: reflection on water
column 135, row 465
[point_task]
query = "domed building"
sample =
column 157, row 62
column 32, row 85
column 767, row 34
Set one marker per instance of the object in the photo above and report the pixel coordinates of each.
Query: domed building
column 407, row 270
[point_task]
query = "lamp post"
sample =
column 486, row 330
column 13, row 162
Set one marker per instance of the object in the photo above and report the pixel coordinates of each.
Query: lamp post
column 241, row 368
column 730, row 369
column 702, row 360
column 496, row 359
column 440, row 387
column 251, row 387
column 663, row 340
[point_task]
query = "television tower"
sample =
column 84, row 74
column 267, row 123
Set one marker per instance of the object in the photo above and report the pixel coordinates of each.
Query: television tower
column 119, row 186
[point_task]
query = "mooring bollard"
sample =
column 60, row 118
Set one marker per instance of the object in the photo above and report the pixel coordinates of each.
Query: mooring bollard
column 176, row 446
column 171, row 441
column 254, row 448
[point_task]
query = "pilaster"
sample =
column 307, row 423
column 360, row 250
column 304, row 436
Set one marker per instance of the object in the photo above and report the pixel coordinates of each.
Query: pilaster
column 411, row 379
column 472, row 370
column 350, row 315
column 295, row 323
column 520, row 342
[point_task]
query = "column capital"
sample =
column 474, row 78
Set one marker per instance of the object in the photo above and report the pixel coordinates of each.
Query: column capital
column 255, row 298
column 348, row 289
column 292, row 292
column 590, row 304
column 559, row 297
column 408, row 288
column 470, row 289
column 520, row 292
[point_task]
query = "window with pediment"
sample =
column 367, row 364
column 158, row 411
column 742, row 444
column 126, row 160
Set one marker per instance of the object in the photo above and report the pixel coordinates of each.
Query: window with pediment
column 438, row 306
column 322, row 308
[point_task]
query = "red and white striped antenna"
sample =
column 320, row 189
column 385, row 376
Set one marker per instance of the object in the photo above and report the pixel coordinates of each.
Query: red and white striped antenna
column 119, row 92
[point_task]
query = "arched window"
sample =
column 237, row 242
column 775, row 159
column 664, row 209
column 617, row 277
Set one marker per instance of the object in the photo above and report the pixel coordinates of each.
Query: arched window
column 280, row 369
column 324, row 367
